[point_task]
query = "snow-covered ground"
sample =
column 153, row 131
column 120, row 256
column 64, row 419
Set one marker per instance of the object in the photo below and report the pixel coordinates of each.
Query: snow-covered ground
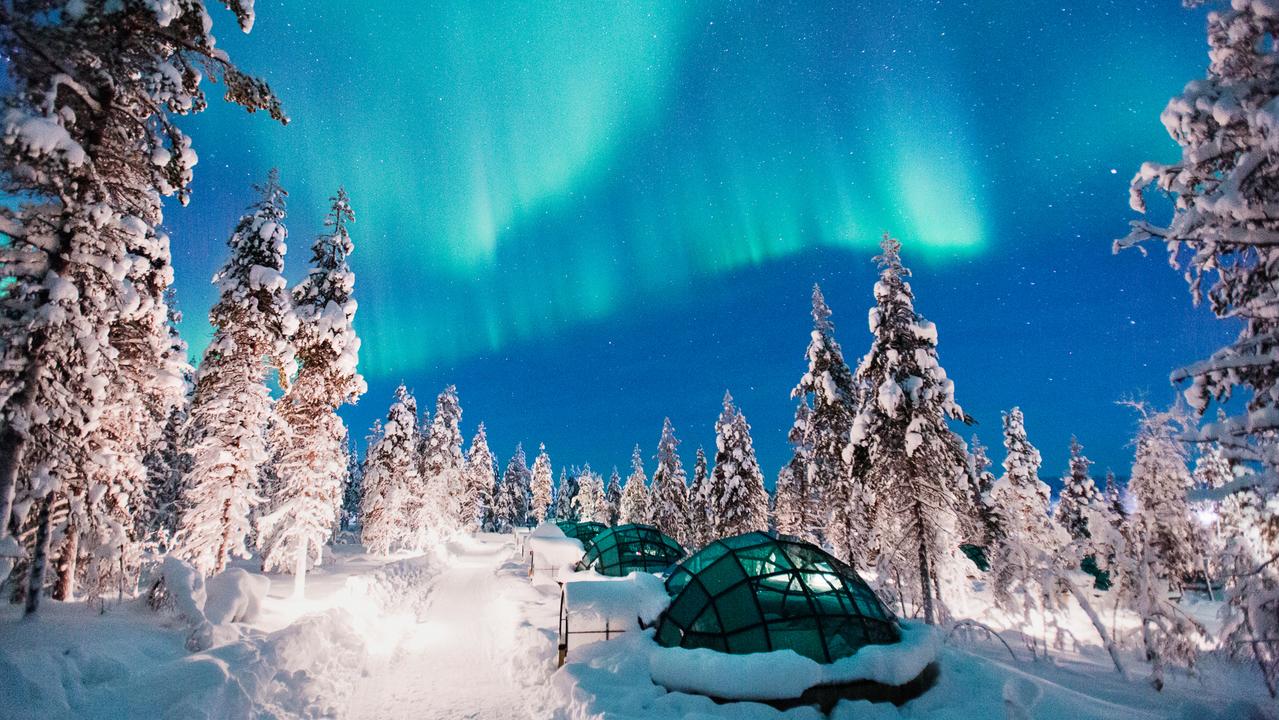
column 468, row 635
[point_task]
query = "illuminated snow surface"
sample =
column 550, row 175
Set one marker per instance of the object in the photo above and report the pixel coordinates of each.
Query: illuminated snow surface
column 466, row 634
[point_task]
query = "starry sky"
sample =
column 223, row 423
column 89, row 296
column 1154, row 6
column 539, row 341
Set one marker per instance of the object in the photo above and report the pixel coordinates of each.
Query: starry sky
column 589, row 216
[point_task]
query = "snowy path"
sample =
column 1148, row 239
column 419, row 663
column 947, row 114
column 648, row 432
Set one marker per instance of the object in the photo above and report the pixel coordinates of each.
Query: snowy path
column 452, row 664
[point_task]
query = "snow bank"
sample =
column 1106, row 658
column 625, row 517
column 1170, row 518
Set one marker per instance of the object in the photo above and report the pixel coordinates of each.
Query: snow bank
column 552, row 554
column 619, row 601
column 784, row 674
column 235, row 596
column 210, row 607
column 75, row 662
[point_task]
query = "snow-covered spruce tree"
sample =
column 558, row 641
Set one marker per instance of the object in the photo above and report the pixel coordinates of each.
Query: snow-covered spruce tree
column 90, row 149
column 253, row 322
column 1222, row 231
column 908, row 460
column 1116, row 512
column 1212, row 471
column 166, row 464
column 565, row 491
column 668, row 501
column 981, row 480
column 1032, row 558
column 1161, row 543
column 151, row 379
column 370, row 444
column 736, row 500
column 306, row 503
column 700, row 524
column 1078, row 493
column 613, row 495
column 352, row 488
column 390, row 481
column 442, row 463
column 542, row 486
column 1224, row 236
column 510, row 502
column 591, row 502
column 829, row 390
column 1252, row 594
column 796, row 510
column 1023, row 558
column 634, row 507
column 481, row 476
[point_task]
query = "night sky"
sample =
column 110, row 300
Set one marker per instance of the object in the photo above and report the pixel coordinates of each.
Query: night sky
column 589, row 216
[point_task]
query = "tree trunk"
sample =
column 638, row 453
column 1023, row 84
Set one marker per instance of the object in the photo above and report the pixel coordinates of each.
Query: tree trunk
column 12, row 446
column 68, row 556
column 40, row 557
column 926, row 585
column 299, row 570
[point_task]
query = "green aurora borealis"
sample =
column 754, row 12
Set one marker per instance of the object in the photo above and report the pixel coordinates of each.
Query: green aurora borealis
column 525, row 171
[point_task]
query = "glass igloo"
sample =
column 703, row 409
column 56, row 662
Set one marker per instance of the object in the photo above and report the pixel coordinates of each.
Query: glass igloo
column 621, row 550
column 756, row 593
column 584, row 531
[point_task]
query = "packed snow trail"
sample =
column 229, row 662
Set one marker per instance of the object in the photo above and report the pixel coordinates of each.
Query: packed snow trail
column 452, row 665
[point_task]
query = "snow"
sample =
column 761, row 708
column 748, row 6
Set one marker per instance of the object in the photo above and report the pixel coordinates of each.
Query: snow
column 465, row 634
column 786, row 674
column 550, row 549
column 619, row 601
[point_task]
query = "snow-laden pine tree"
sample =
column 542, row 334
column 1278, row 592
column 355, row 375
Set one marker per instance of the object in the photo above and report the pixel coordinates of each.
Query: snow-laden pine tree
column 91, row 149
column 510, row 501
column 1162, row 543
column 1212, row 471
column 634, row 507
column 1033, row 559
column 981, row 480
column 1116, row 511
column 442, row 464
column 1022, row 559
column 700, row 524
column 1252, row 620
column 390, row 480
column 1078, row 493
column 828, row 389
column 542, row 486
column 796, row 509
column 591, row 501
column 736, row 500
column 1224, row 236
column 253, row 323
column 565, row 491
column 166, row 464
column 352, row 486
column 906, row 457
column 311, row 446
column 1222, row 232
column 613, row 495
column 481, row 476
column 668, row 500
column 151, row 374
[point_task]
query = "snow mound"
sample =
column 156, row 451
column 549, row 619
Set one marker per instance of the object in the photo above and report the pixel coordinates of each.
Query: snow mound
column 235, row 596
column 784, row 674
column 619, row 601
column 551, row 548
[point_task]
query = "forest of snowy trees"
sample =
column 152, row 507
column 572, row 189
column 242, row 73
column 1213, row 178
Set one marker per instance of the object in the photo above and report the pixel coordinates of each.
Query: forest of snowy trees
column 116, row 453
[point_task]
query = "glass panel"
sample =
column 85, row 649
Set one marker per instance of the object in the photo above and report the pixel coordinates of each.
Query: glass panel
column 800, row 635
column 723, row 573
column 748, row 641
column 737, row 608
